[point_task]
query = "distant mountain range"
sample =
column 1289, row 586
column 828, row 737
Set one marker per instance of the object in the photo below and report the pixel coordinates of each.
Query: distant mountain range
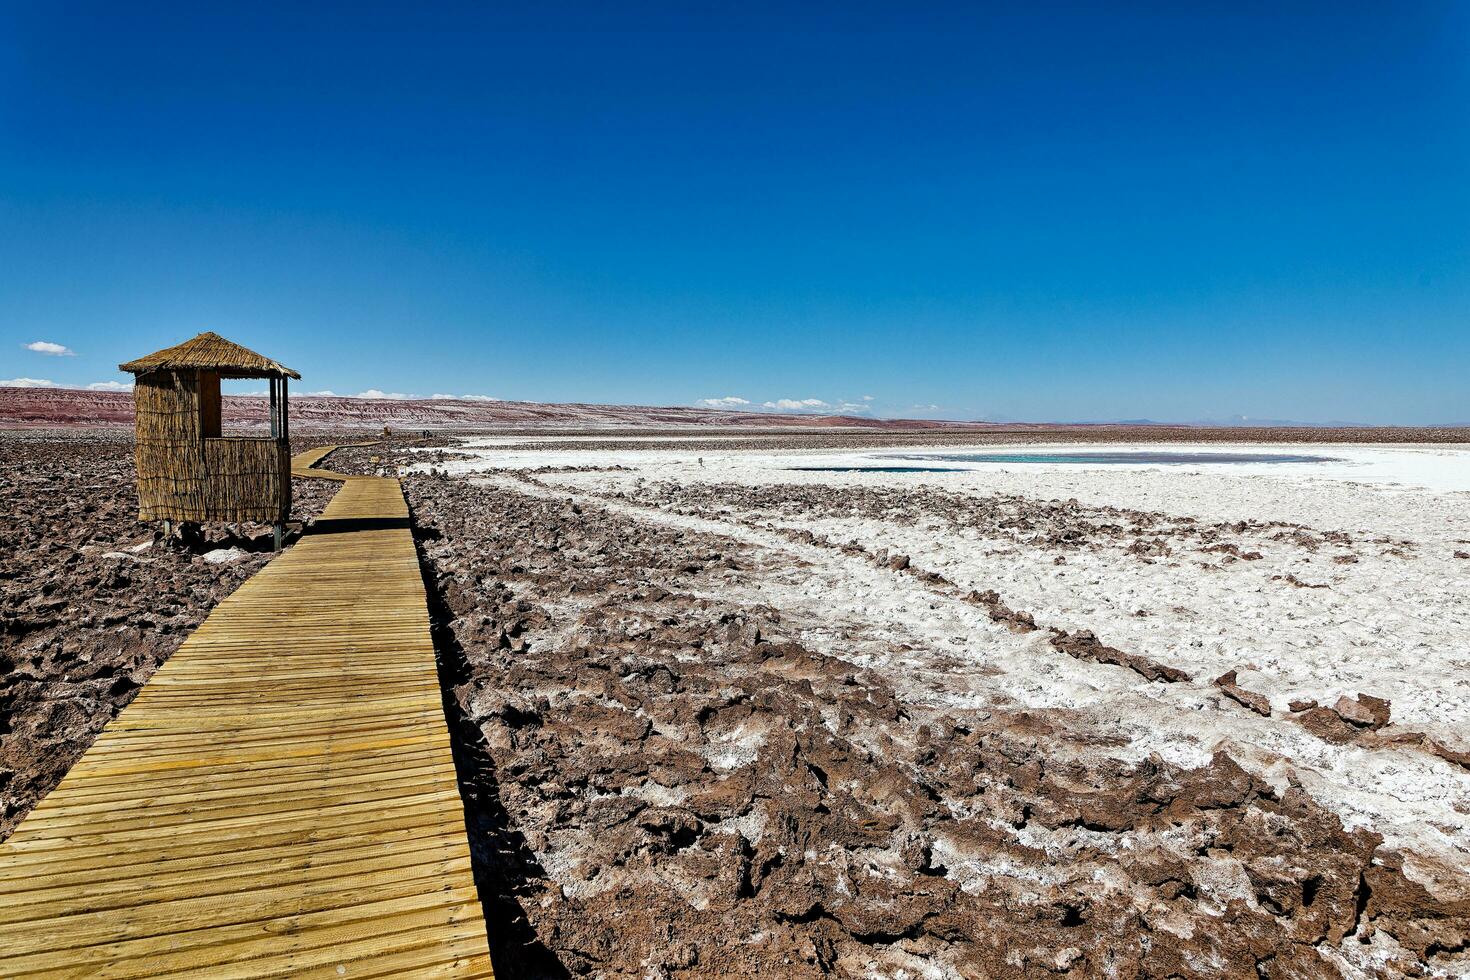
column 42, row 407
column 37, row 407
column 1242, row 421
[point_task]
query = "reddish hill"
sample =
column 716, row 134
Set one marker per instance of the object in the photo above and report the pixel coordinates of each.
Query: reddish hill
column 38, row 407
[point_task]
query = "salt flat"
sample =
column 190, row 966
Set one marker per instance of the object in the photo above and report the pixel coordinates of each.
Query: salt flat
column 1313, row 581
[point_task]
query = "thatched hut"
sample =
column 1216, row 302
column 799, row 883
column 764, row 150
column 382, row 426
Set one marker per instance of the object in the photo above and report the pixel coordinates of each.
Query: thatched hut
column 188, row 470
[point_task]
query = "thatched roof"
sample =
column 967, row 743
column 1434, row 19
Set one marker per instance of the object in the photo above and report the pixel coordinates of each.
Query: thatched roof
column 210, row 352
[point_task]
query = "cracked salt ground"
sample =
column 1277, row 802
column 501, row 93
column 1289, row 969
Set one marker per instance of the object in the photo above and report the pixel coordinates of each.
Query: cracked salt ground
column 923, row 799
column 1417, row 802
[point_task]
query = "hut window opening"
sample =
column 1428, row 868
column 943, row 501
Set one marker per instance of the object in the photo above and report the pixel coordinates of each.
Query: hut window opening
column 263, row 414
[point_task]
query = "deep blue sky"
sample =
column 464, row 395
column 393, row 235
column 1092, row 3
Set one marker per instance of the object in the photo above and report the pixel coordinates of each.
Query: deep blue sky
column 1174, row 211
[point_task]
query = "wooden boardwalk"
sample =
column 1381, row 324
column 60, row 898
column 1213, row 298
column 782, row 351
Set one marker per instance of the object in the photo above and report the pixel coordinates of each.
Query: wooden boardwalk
column 304, row 464
column 279, row 800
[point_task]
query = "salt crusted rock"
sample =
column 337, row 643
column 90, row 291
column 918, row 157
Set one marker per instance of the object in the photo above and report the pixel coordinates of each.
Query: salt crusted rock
column 1367, row 711
column 1258, row 703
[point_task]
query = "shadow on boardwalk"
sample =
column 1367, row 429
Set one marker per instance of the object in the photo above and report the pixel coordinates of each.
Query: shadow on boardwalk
column 503, row 863
column 345, row 525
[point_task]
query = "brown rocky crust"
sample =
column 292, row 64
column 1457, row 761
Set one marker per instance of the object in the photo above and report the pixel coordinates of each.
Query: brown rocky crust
column 664, row 783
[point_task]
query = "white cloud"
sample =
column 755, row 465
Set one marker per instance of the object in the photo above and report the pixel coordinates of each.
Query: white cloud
column 794, row 404
column 729, row 401
column 480, row 398
column 440, row 397
column 375, row 393
column 867, row 398
column 110, row 386
column 29, row 383
column 319, row 394
column 50, row 349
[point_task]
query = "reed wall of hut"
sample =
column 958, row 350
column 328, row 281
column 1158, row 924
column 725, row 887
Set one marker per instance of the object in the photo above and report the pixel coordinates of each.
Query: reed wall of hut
column 187, row 471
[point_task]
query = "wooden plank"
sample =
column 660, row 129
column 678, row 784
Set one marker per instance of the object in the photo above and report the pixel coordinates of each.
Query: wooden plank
column 186, row 846
column 300, row 868
column 279, row 799
column 82, row 870
column 107, row 792
column 143, row 957
column 169, row 913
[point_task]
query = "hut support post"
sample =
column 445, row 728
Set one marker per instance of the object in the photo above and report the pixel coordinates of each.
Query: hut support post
column 279, row 432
